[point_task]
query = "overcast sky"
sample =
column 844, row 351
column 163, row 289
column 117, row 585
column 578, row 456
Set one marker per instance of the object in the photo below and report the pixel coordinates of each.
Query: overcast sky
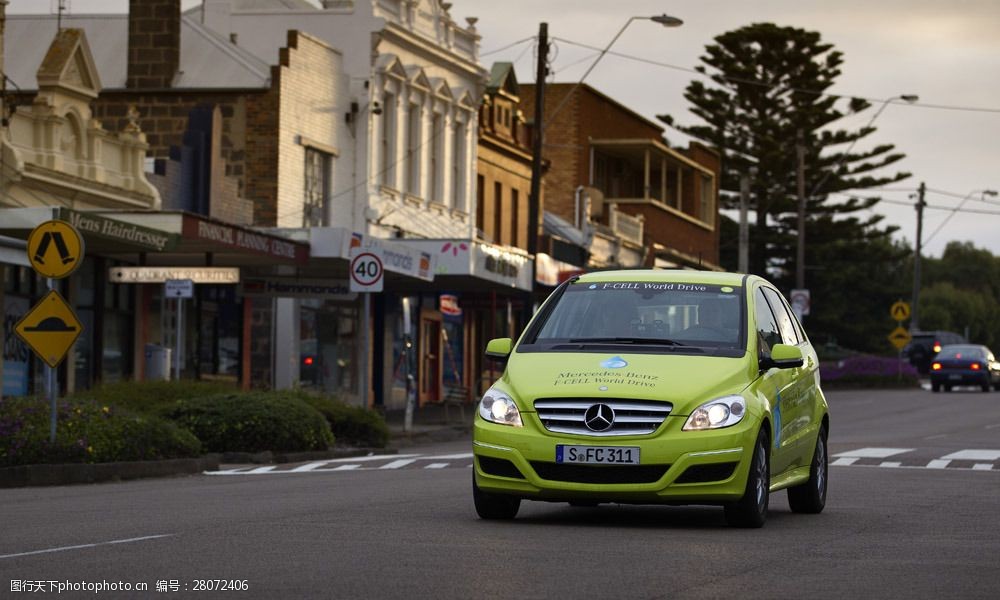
column 945, row 51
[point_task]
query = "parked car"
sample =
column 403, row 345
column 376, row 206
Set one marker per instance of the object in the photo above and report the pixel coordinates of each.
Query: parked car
column 965, row 364
column 925, row 344
column 670, row 387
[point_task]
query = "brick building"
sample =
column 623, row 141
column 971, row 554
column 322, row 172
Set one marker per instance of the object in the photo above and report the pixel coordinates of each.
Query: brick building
column 653, row 198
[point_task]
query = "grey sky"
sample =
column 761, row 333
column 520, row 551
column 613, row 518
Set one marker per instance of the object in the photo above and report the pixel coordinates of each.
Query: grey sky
column 947, row 52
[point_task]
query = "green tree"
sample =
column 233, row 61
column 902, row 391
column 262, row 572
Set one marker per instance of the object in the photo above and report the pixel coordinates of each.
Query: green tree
column 769, row 91
column 770, row 83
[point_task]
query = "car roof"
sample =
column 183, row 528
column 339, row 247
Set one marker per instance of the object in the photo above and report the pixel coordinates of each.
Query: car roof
column 665, row 276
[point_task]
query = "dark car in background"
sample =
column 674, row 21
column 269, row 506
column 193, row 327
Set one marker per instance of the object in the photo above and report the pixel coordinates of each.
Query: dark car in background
column 925, row 344
column 965, row 364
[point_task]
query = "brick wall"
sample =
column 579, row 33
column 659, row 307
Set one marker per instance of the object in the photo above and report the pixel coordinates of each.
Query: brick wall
column 154, row 41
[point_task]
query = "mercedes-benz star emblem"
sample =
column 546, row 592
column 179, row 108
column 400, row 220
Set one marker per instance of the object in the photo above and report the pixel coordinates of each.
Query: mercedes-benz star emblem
column 599, row 417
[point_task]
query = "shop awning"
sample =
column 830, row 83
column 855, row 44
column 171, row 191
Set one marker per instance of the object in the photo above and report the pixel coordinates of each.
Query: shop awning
column 480, row 262
column 102, row 234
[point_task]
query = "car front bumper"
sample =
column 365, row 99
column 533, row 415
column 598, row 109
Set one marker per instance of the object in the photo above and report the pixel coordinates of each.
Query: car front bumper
column 683, row 467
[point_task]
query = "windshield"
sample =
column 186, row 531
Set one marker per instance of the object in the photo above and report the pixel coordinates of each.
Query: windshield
column 961, row 351
column 646, row 313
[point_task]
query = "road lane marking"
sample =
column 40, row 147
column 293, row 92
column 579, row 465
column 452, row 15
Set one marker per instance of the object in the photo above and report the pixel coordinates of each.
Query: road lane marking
column 891, row 464
column 982, row 467
column 310, row 466
column 450, row 456
column 398, row 463
column 845, row 461
column 974, row 455
column 936, row 437
column 344, row 468
column 94, row 545
column 266, row 469
column 938, row 464
column 873, row 452
column 437, row 466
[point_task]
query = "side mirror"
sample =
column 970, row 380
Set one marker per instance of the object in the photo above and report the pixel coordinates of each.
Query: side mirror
column 499, row 348
column 782, row 356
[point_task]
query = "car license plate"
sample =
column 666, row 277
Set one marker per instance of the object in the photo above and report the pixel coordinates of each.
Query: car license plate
column 955, row 377
column 597, row 455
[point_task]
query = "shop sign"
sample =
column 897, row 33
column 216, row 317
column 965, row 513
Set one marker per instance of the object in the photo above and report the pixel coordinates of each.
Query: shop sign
column 326, row 289
column 500, row 264
column 242, row 239
column 396, row 257
column 219, row 275
column 15, row 351
column 449, row 305
column 119, row 231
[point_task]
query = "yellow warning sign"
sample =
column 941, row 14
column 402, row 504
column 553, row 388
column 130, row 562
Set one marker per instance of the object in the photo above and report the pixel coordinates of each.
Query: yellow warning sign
column 55, row 249
column 50, row 328
column 900, row 310
column 899, row 337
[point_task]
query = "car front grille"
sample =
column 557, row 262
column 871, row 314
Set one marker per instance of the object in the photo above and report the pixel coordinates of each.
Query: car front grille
column 631, row 417
column 600, row 474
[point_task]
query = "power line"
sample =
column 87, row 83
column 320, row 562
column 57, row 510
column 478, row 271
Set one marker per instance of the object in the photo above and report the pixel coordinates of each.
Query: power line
column 761, row 84
column 511, row 45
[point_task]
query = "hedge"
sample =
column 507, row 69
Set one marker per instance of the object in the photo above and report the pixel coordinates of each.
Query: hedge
column 351, row 425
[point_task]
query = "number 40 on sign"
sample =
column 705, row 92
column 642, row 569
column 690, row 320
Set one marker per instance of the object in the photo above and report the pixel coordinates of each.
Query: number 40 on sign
column 367, row 272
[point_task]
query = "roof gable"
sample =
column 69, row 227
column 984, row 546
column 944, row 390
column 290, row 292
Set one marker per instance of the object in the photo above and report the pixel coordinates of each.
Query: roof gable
column 69, row 66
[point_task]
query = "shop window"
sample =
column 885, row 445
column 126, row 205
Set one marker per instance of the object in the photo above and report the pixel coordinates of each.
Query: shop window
column 458, row 167
column 706, row 206
column 329, row 353
column 413, row 150
column 388, row 167
column 437, row 147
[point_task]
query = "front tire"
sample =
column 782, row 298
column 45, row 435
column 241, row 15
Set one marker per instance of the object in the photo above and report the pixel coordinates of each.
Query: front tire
column 494, row 507
column 810, row 497
column 935, row 387
column 750, row 511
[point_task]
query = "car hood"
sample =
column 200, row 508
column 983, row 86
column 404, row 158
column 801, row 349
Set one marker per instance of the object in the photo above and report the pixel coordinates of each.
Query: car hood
column 684, row 380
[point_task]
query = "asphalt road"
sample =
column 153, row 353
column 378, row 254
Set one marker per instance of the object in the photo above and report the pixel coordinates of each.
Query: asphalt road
column 902, row 521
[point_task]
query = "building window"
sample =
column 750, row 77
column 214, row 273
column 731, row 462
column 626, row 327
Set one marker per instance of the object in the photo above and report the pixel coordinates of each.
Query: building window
column 497, row 211
column 437, row 146
column 706, row 205
column 481, row 206
column 515, row 213
column 413, row 150
column 458, row 167
column 387, row 169
column 317, row 188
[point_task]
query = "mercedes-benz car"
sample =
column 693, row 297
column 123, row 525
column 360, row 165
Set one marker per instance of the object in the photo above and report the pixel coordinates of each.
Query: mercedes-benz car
column 665, row 387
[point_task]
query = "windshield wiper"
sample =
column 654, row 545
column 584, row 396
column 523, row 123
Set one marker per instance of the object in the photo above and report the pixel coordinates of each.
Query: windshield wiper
column 627, row 340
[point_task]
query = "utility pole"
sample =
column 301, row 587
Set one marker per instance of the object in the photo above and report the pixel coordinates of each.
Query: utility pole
column 534, row 198
column 744, row 249
column 800, row 250
column 915, row 305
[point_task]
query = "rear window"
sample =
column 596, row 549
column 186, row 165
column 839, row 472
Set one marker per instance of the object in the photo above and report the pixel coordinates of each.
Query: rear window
column 615, row 312
column 961, row 352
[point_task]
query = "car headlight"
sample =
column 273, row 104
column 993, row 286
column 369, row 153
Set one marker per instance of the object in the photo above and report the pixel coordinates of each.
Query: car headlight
column 498, row 407
column 721, row 412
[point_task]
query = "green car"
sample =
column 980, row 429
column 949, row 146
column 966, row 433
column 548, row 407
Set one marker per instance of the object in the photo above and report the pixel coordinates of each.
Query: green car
column 655, row 387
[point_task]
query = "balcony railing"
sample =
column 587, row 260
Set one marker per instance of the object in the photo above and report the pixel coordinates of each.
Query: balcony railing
column 625, row 226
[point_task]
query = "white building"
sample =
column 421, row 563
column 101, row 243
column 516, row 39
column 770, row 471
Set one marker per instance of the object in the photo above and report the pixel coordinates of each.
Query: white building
column 414, row 85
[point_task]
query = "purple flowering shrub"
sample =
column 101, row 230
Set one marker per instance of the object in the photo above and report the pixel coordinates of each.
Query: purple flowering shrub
column 868, row 370
column 88, row 432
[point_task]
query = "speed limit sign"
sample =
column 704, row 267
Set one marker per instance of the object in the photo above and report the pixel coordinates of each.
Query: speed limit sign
column 366, row 270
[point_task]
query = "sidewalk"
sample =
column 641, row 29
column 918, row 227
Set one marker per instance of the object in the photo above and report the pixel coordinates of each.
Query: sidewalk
column 432, row 423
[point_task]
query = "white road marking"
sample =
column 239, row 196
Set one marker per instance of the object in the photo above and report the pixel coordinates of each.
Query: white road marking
column 437, row 466
column 974, row 455
column 266, row 469
column 936, row 437
column 398, row 463
column 873, row 452
column 310, row 467
column 370, row 458
column 891, row 464
column 450, row 456
column 938, row 464
column 79, row 546
column 994, row 426
column 982, row 467
column 844, row 461
column 344, row 468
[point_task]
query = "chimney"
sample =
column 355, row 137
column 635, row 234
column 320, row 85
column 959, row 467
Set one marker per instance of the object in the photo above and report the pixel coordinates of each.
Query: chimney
column 154, row 43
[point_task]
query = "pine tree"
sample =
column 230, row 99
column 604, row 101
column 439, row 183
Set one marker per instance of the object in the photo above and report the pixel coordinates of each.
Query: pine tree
column 770, row 83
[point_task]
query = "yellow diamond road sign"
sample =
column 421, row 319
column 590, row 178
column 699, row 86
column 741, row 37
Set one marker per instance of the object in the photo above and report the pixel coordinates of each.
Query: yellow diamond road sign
column 50, row 328
column 900, row 310
column 55, row 249
column 899, row 337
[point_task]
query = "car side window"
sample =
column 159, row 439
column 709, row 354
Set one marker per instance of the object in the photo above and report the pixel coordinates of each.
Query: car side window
column 768, row 333
column 788, row 334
